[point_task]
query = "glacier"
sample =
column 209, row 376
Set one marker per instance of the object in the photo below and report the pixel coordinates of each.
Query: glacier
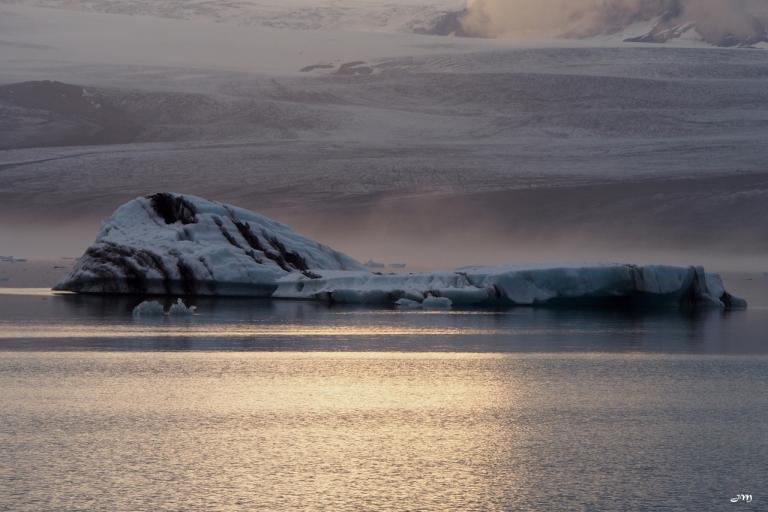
column 182, row 245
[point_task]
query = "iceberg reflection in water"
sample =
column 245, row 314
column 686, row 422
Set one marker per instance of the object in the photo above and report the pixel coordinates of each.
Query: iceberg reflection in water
column 40, row 320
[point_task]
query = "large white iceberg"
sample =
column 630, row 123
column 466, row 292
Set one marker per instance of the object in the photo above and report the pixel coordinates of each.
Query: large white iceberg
column 173, row 244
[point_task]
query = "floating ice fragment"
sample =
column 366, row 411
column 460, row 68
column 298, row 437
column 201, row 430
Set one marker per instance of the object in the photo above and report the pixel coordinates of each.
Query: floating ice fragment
column 374, row 264
column 181, row 309
column 152, row 308
column 408, row 304
column 437, row 303
column 148, row 308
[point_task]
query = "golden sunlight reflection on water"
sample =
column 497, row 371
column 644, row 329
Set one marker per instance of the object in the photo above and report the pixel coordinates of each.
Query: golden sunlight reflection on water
column 375, row 431
column 34, row 292
column 158, row 330
column 304, row 431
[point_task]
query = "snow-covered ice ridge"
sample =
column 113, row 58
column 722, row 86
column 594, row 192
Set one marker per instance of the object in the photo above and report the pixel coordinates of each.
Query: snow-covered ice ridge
column 173, row 244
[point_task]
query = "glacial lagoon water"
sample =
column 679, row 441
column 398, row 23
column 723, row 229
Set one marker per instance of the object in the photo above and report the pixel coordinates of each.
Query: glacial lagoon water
column 259, row 405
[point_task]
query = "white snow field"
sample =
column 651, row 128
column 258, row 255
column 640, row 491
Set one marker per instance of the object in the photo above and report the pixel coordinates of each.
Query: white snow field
column 361, row 15
column 389, row 145
column 172, row 244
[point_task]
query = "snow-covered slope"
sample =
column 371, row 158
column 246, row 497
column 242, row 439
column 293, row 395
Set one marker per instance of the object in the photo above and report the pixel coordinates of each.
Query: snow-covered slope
column 174, row 244
column 361, row 15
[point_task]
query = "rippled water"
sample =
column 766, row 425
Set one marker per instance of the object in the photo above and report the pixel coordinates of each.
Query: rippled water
column 254, row 405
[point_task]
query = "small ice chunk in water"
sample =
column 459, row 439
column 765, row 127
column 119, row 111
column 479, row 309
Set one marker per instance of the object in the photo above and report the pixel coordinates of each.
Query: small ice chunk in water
column 152, row 308
column 437, row 303
column 180, row 309
column 408, row 304
column 148, row 308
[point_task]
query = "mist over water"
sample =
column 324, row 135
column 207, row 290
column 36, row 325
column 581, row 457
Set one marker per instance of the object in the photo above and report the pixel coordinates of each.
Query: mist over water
column 654, row 221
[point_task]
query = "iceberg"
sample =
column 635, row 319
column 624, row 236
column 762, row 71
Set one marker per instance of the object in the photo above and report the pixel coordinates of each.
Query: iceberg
column 178, row 308
column 153, row 309
column 181, row 245
column 606, row 285
column 148, row 309
column 407, row 304
column 437, row 303
column 173, row 244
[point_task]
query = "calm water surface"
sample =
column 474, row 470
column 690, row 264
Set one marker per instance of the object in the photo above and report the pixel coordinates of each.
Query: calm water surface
column 253, row 405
